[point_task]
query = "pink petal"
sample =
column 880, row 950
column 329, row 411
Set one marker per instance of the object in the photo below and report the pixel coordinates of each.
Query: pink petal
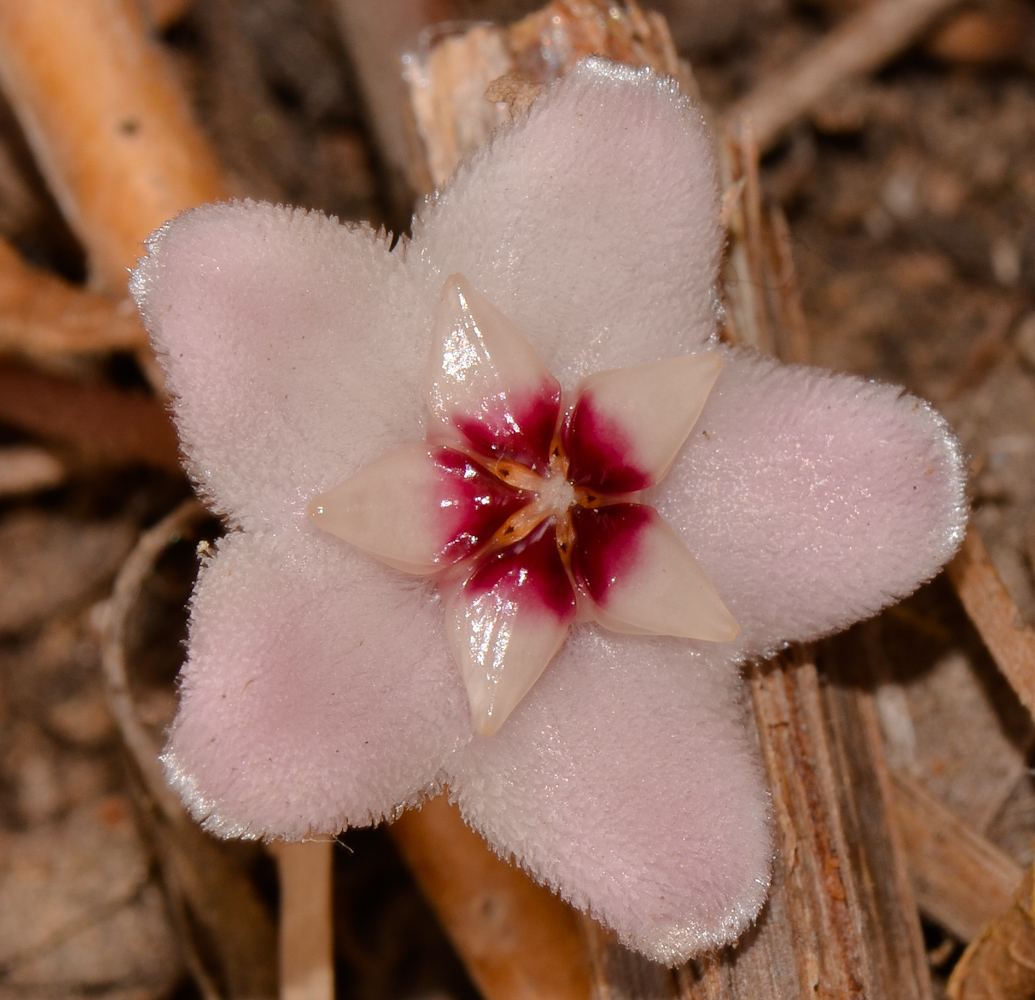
column 812, row 500
column 418, row 508
column 487, row 381
column 627, row 781
column 318, row 693
column 506, row 621
column 592, row 223
column 628, row 424
column 641, row 578
column 295, row 347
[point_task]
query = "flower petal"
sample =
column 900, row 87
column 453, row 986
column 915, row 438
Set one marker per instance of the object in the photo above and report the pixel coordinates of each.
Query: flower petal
column 281, row 332
column 592, row 222
column 508, row 619
column 628, row 424
column 317, row 693
column 487, row 381
column 812, row 499
column 627, row 780
column 418, row 508
column 641, row 578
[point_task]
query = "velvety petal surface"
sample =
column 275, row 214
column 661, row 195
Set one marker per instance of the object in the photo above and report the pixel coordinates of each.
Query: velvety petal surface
column 592, row 224
column 628, row 424
column 627, row 781
column 318, row 691
column 811, row 499
column 295, row 348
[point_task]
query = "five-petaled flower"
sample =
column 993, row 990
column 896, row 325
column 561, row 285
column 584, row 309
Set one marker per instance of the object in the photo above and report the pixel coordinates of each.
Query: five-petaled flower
column 525, row 509
column 319, row 689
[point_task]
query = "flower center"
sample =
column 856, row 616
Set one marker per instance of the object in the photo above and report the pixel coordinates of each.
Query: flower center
column 554, row 497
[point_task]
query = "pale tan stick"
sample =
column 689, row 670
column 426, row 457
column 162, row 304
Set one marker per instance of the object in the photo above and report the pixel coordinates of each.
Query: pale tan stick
column 961, row 880
column 306, row 919
column 992, row 610
column 41, row 315
column 27, row 469
column 108, row 122
column 518, row 941
column 863, row 43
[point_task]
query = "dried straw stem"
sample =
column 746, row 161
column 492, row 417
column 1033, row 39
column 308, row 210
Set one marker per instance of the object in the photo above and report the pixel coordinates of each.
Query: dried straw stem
column 108, row 122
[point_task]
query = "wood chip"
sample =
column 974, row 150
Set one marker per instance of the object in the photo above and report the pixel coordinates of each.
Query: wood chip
column 991, row 608
column 961, row 880
column 1000, row 964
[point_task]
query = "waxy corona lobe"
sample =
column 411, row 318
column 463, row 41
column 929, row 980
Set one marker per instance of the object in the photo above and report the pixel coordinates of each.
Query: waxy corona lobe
column 528, row 510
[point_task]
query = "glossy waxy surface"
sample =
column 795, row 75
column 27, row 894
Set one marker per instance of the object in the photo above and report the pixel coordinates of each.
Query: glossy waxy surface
column 524, row 512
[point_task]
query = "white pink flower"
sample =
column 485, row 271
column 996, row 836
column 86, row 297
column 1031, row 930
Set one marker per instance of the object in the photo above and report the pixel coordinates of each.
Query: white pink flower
column 321, row 689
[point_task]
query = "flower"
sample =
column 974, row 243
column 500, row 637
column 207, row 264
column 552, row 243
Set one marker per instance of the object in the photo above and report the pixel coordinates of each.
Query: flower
column 319, row 690
column 525, row 509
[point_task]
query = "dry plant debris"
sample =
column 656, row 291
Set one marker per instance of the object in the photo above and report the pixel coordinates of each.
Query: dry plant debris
column 907, row 190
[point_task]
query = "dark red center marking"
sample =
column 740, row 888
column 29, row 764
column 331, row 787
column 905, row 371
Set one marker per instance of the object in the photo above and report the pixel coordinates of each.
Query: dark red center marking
column 607, row 544
column 474, row 502
column 518, row 429
column 529, row 572
column 600, row 454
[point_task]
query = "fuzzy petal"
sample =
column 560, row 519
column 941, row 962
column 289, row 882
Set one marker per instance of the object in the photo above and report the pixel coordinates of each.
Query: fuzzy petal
column 812, row 500
column 487, row 381
column 627, row 782
column 318, row 694
column 628, row 424
column 506, row 621
column 592, row 223
column 295, row 348
column 641, row 579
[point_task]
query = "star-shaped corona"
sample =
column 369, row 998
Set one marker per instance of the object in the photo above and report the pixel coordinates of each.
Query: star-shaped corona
column 527, row 506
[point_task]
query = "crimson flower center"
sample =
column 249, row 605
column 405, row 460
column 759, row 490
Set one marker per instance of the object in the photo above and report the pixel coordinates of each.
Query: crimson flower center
column 554, row 493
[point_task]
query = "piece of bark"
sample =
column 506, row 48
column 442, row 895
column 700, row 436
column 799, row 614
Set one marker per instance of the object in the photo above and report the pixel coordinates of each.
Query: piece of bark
column 41, row 315
column 443, row 113
column 102, row 424
column 840, row 920
column 1000, row 964
column 961, row 880
column 995, row 615
column 862, row 43
column 518, row 940
column 109, row 124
